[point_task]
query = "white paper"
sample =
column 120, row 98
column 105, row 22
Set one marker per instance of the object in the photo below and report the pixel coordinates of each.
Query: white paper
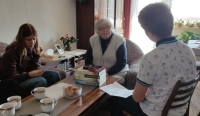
column 50, row 65
column 55, row 91
column 116, row 89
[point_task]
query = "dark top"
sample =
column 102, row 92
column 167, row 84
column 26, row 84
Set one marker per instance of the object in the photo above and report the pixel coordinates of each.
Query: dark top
column 15, row 66
column 121, row 56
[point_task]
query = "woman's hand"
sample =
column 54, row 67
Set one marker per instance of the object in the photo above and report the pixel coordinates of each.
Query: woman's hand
column 39, row 51
column 107, row 75
column 36, row 73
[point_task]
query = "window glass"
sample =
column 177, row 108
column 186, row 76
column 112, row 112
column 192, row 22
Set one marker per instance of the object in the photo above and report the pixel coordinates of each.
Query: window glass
column 186, row 9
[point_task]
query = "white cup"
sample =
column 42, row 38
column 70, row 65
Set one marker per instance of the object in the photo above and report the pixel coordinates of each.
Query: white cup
column 47, row 104
column 7, row 109
column 15, row 99
column 42, row 114
column 39, row 92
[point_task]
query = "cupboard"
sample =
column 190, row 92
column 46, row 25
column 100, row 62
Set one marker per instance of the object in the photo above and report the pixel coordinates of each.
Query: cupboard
column 91, row 11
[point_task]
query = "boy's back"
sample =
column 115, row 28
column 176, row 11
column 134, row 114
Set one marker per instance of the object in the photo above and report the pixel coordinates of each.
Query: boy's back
column 161, row 69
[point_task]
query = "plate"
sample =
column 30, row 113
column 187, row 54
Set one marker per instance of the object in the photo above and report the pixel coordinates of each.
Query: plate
column 72, row 97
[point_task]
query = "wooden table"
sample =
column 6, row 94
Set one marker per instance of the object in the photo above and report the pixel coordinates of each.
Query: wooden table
column 87, row 104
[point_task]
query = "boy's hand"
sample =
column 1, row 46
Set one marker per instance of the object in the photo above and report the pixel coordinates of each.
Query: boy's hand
column 36, row 73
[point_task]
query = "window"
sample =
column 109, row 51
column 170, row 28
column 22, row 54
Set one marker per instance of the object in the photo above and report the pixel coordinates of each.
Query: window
column 112, row 9
column 181, row 9
column 137, row 34
column 186, row 10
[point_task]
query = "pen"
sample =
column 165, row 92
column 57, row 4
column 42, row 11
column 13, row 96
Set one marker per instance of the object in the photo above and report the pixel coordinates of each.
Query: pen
column 46, row 57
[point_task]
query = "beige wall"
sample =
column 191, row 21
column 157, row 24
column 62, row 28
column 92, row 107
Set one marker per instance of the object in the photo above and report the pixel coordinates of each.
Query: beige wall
column 51, row 18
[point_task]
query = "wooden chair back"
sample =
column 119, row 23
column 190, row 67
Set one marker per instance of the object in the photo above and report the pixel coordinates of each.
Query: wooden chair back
column 183, row 93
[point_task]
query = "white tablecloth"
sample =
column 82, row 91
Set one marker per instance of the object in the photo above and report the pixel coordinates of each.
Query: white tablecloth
column 32, row 106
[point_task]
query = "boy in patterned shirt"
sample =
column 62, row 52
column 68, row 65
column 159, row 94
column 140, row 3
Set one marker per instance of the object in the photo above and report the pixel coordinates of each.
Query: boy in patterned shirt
column 160, row 69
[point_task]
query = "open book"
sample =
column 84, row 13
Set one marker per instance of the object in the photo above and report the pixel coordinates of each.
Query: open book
column 50, row 65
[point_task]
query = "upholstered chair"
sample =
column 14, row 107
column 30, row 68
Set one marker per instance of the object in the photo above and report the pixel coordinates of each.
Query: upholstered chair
column 134, row 54
column 2, row 48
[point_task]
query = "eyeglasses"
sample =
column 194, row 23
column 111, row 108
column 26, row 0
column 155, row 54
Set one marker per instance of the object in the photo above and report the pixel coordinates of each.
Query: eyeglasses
column 107, row 28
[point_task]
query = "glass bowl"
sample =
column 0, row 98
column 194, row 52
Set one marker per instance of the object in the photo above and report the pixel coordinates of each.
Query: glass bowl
column 72, row 91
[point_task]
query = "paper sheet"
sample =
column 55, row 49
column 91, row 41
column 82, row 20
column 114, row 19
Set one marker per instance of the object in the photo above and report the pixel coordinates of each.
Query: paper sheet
column 55, row 91
column 50, row 65
column 116, row 89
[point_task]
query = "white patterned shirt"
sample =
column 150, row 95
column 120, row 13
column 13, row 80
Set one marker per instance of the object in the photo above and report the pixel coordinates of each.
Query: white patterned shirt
column 160, row 69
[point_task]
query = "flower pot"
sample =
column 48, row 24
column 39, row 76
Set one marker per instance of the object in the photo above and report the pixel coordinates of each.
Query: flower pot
column 68, row 47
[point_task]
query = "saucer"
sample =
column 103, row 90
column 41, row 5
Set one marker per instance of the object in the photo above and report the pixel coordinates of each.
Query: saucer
column 42, row 114
column 198, row 45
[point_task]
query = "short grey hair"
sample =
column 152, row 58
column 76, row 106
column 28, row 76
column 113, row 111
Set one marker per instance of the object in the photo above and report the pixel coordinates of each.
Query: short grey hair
column 102, row 21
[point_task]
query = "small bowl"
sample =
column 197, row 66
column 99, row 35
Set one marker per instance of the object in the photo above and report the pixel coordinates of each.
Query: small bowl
column 72, row 91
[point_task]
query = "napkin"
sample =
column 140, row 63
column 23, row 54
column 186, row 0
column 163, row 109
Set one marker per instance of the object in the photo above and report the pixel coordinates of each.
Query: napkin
column 55, row 91
column 117, row 89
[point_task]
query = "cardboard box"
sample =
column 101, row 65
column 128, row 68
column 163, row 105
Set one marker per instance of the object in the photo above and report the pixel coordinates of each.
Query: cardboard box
column 90, row 78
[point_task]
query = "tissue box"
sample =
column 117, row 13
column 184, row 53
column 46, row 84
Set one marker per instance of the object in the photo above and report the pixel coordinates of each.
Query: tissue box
column 90, row 78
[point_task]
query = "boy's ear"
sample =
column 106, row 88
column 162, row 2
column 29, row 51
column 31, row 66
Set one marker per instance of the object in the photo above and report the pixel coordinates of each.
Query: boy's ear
column 148, row 34
column 151, row 36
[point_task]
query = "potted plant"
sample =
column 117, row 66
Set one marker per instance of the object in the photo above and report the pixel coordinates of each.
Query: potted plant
column 190, row 23
column 179, row 23
column 188, row 35
column 197, row 24
column 67, row 40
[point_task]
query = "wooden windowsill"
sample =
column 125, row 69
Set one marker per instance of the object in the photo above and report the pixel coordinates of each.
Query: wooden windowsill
column 185, row 27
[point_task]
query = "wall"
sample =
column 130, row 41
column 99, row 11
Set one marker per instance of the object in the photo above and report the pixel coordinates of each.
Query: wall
column 51, row 18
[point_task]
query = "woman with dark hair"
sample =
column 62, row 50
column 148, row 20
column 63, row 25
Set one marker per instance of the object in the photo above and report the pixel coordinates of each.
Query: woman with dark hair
column 21, row 61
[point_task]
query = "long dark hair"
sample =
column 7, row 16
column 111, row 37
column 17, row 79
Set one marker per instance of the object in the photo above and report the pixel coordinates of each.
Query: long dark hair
column 25, row 30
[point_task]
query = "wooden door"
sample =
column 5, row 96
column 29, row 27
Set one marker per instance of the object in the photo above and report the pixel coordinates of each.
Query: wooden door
column 85, row 23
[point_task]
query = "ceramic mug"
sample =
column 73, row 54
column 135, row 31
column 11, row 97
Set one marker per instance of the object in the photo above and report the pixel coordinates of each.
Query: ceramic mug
column 7, row 109
column 39, row 92
column 15, row 99
column 42, row 114
column 47, row 104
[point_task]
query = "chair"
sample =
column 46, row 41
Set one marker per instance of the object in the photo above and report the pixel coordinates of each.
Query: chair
column 185, row 94
column 134, row 54
column 2, row 47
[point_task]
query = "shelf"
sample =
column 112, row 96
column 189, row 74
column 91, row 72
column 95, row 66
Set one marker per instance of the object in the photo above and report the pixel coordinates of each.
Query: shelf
column 185, row 27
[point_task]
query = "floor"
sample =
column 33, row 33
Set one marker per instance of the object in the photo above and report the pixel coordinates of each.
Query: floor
column 194, row 106
column 195, row 101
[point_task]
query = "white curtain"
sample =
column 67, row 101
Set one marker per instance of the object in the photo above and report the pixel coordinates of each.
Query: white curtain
column 137, row 34
column 105, row 8
column 101, row 8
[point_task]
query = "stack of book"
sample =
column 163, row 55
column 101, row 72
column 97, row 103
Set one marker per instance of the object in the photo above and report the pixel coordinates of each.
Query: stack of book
column 90, row 77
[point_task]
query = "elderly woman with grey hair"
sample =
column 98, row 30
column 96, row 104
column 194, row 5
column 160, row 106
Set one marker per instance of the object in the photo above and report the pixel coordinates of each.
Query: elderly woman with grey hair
column 108, row 49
